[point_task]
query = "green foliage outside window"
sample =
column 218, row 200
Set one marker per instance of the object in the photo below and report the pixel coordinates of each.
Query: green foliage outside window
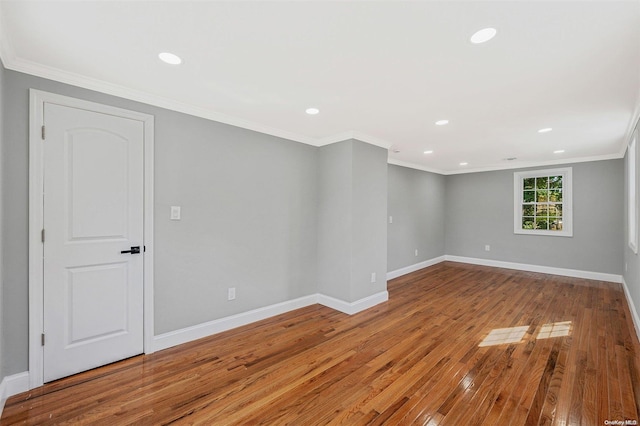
column 542, row 203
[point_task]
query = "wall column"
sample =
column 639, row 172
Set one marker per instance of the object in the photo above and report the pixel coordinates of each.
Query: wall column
column 352, row 227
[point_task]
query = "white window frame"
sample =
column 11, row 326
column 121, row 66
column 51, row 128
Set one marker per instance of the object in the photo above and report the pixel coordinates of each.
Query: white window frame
column 632, row 213
column 567, row 201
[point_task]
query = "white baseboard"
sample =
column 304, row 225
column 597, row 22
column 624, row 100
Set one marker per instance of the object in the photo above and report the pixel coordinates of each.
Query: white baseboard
column 537, row 268
column 13, row 385
column 412, row 268
column 184, row 335
column 353, row 307
column 188, row 334
column 632, row 308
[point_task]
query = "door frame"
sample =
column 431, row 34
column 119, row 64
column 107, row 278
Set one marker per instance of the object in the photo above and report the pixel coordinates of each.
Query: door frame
column 37, row 98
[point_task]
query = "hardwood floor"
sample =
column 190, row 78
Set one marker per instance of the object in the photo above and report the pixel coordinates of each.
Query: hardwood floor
column 417, row 359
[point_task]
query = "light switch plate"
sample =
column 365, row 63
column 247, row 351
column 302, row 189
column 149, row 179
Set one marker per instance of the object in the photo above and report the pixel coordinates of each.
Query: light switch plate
column 175, row 213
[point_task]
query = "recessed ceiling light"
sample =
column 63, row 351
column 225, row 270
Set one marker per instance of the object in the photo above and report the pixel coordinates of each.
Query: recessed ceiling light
column 545, row 130
column 428, row 152
column 312, row 111
column 463, row 164
column 170, row 58
column 483, row 35
column 442, row 122
column 558, row 151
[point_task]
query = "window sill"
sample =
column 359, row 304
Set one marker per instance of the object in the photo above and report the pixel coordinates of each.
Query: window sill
column 544, row 233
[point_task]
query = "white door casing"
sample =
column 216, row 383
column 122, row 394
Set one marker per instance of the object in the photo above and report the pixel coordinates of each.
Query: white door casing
column 90, row 184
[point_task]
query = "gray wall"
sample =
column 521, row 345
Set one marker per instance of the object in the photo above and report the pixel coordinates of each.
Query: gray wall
column 334, row 219
column 352, row 232
column 2, row 182
column 369, row 250
column 249, row 205
column 631, row 262
column 479, row 211
column 270, row 216
column 416, row 201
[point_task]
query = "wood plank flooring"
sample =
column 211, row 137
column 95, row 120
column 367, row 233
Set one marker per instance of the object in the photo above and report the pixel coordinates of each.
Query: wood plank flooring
column 416, row 359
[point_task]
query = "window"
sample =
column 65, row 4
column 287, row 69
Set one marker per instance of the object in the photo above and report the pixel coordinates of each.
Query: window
column 542, row 202
column 632, row 201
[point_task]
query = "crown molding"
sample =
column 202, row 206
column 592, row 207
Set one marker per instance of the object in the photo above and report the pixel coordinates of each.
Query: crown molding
column 32, row 68
column 352, row 134
column 525, row 165
column 409, row 165
column 12, row 62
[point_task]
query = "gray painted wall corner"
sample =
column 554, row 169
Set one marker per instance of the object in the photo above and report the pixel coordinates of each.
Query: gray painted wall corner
column 334, row 219
column 369, row 250
column 630, row 260
column 351, row 220
column 2, row 241
column 416, row 202
column 479, row 212
column 249, row 208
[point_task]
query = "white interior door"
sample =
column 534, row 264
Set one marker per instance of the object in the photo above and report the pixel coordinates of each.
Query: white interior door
column 93, row 211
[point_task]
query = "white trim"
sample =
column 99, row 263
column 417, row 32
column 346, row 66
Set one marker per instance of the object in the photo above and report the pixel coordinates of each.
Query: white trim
column 600, row 276
column 36, row 99
column 531, row 164
column 415, row 267
column 632, row 308
column 632, row 192
column 32, row 68
column 567, row 201
column 14, row 63
column 195, row 332
column 352, row 308
column 188, row 334
column 13, row 385
column 352, row 134
column 408, row 165
column 500, row 167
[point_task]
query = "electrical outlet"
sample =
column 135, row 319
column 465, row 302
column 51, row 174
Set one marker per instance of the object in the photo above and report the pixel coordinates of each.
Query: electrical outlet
column 390, row 219
column 373, row 277
column 487, row 248
column 416, row 252
column 232, row 293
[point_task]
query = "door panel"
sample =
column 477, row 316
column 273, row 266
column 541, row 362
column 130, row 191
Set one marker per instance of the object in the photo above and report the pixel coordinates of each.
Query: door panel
column 98, row 206
column 93, row 210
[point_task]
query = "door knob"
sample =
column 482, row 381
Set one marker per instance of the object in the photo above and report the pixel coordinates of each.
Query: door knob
column 134, row 250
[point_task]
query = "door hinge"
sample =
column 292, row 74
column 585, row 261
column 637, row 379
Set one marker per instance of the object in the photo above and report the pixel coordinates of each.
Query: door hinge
column 43, row 132
column 42, row 236
column 42, row 339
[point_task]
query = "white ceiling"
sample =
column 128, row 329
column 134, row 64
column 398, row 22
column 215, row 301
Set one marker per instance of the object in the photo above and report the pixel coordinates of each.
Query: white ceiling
column 382, row 72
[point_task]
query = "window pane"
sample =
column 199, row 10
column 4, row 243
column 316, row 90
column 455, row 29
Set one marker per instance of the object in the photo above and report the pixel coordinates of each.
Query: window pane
column 540, row 208
column 529, row 183
column 542, row 223
column 555, row 182
column 542, row 182
column 542, row 196
column 555, row 223
column 555, row 196
column 555, row 209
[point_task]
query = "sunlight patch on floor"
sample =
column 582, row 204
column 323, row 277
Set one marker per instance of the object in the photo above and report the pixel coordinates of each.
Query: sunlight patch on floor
column 501, row 336
column 556, row 329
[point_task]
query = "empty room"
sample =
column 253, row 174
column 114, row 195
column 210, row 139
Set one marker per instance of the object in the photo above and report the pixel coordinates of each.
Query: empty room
column 319, row 212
